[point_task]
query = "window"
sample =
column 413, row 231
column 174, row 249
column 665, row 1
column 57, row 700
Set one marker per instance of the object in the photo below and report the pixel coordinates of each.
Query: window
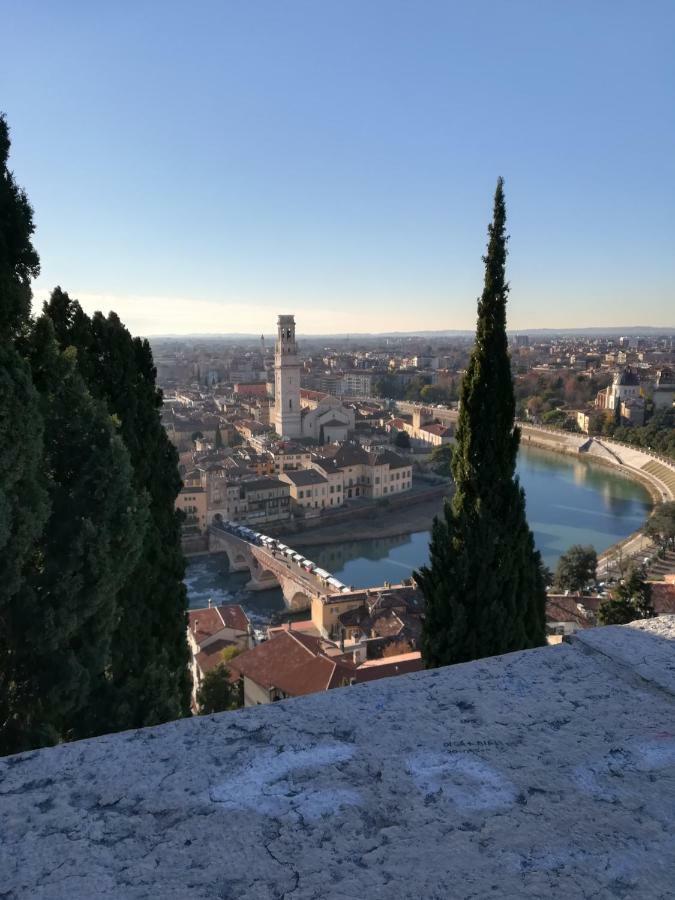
column 301, row 494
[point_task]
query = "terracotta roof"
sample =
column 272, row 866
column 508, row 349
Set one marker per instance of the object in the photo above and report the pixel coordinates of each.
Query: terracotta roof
column 561, row 608
column 233, row 616
column 204, row 623
column 437, row 428
column 212, row 619
column 389, row 666
column 209, row 658
column 292, row 663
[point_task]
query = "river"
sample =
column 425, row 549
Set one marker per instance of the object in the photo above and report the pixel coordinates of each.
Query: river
column 569, row 501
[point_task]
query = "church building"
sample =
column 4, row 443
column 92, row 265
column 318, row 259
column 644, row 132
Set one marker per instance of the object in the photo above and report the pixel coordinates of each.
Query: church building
column 303, row 414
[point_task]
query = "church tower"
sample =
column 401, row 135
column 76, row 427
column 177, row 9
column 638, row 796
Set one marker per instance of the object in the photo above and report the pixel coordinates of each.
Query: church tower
column 287, row 422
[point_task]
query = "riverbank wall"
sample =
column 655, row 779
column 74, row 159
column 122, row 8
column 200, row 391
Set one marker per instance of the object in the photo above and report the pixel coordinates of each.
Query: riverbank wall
column 404, row 514
column 656, row 473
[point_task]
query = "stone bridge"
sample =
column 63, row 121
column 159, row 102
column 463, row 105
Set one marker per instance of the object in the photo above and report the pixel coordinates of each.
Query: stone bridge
column 269, row 569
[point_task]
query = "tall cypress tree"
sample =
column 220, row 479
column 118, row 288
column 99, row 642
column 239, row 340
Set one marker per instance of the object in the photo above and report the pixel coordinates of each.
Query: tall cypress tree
column 23, row 498
column 88, row 548
column 149, row 671
column 484, row 585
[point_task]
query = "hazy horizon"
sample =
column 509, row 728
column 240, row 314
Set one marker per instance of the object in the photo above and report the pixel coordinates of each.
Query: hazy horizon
column 198, row 169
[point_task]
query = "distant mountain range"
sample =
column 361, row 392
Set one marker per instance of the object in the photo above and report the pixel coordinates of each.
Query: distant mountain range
column 609, row 331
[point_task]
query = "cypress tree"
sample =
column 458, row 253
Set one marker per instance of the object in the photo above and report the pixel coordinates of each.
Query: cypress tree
column 484, row 585
column 23, row 498
column 149, row 670
column 89, row 546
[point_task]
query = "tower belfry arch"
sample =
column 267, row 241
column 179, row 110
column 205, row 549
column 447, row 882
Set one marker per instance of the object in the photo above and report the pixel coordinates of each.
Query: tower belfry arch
column 287, row 419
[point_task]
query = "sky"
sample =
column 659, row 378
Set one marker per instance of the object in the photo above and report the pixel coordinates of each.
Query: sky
column 203, row 166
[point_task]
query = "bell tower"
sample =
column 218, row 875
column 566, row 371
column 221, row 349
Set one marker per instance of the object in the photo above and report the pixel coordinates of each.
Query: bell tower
column 287, row 421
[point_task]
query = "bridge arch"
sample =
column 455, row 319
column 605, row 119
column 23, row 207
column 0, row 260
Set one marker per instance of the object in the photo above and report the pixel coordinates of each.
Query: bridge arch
column 296, row 600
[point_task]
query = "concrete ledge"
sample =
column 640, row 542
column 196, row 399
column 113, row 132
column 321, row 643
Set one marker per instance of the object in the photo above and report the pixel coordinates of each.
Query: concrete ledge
column 538, row 774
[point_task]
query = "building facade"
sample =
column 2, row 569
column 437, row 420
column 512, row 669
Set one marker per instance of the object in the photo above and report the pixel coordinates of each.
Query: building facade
column 287, row 380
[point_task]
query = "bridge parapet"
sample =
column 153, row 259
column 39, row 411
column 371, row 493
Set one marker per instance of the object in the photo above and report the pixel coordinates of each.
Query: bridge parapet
column 269, row 569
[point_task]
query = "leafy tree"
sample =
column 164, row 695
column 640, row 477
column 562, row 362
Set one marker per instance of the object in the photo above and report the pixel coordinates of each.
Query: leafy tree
column 484, row 585
column 88, row 548
column 402, row 440
column 441, row 460
column 415, row 386
column 631, row 600
column 149, row 680
column 434, row 393
column 576, row 568
column 230, row 653
column 554, row 417
column 217, row 692
column 661, row 525
column 196, row 436
column 218, row 440
column 388, row 386
column 23, row 498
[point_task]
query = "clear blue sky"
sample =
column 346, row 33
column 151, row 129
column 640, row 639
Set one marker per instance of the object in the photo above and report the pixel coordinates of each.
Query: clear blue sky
column 202, row 166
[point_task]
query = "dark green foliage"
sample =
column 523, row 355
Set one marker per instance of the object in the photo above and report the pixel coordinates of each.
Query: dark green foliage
column 484, row 586
column 19, row 261
column 218, row 440
column 630, row 601
column 388, row 386
column 576, row 568
column 23, row 498
column 417, row 384
column 402, row 440
column 23, row 510
column 441, row 460
column 149, row 670
column 661, row 525
column 88, row 548
column 437, row 393
column 217, row 693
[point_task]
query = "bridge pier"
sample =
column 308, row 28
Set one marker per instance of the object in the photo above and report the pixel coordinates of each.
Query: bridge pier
column 268, row 570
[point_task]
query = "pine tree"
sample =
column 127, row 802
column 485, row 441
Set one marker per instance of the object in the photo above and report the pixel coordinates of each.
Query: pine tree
column 218, row 440
column 88, row 548
column 484, row 586
column 149, row 670
column 23, row 498
column 630, row 601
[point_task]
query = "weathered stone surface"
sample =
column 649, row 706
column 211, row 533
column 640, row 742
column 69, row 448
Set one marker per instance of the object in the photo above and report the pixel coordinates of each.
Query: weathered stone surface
column 546, row 773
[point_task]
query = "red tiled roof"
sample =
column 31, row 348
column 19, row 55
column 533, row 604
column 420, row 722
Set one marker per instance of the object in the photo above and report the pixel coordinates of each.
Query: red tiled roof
column 292, row 663
column 204, row 623
column 389, row 666
column 209, row 658
column 233, row 616
column 437, row 428
column 213, row 619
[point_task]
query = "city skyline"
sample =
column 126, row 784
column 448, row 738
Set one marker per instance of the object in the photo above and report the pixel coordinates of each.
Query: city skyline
column 200, row 171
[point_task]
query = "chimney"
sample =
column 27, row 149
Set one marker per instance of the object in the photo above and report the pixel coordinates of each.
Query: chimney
column 210, row 602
